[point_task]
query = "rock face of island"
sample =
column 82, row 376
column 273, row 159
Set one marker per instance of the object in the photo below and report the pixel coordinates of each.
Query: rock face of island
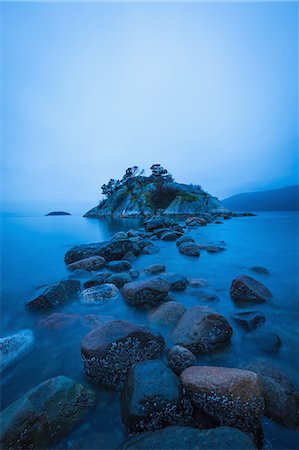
column 58, row 213
column 136, row 195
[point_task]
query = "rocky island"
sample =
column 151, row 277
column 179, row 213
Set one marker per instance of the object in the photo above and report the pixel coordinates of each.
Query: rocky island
column 136, row 195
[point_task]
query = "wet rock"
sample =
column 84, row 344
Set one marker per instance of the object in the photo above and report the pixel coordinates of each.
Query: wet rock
column 150, row 292
column 214, row 248
column 218, row 222
column 115, row 250
column 55, row 295
column 168, row 313
column 154, row 269
column 197, row 282
column 159, row 231
column 202, row 331
column 186, row 438
column 179, row 358
column 232, row 396
column 133, row 233
column 134, row 273
column 109, row 351
column 177, row 282
column 281, row 395
column 150, row 249
column 179, row 228
column 152, row 398
column 263, row 341
column 43, row 414
column 195, row 221
column 118, row 236
column 15, row 346
column 260, row 270
column 119, row 279
column 206, row 296
column 156, row 222
column 88, row 264
column 169, row 236
column 99, row 294
column 245, row 289
column 189, row 249
column 183, row 239
column 144, row 243
column 99, row 279
column 58, row 321
column 119, row 266
column 95, row 320
column 250, row 320
column 82, row 252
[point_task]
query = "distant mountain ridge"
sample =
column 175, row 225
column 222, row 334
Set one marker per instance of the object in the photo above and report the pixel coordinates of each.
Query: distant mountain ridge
column 283, row 199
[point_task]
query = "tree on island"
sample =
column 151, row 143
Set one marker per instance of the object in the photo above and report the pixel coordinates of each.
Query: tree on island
column 159, row 173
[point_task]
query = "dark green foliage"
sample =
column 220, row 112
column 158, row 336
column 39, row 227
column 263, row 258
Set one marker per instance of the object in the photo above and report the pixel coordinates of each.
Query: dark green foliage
column 161, row 197
column 186, row 197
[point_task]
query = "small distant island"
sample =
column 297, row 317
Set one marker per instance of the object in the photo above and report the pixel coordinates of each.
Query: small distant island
column 136, row 195
column 58, row 213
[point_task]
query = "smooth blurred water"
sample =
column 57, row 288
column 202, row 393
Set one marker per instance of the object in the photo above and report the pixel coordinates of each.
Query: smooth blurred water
column 33, row 250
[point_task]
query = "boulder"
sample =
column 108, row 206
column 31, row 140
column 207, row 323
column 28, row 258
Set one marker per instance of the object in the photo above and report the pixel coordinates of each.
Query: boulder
column 214, row 248
column 88, row 264
column 119, row 266
column 99, row 279
column 245, row 289
column 134, row 273
column 150, row 249
column 119, row 279
column 250, row 320
column 152, row 398
column 43, row 414
column 169, row 236
column 186, row 438
column 260, row 270
column 281, row 395
column 156, row 222
column 58, row 321
column 179, row 358
column 189, row 249
column 195, row 221
column 118, row 236
column 159, row 231
column 263, row 341
column 197, row 282
column 55, row 295
column 168, row 313
column 202, row 331
column 183, row 239
column 115, row 250
column 177, row 282
column 82, row 252
column 109, row 351
column 99, row 294
column 232, row 396
column 154, row 269
column 15, row 346
column 146, row 292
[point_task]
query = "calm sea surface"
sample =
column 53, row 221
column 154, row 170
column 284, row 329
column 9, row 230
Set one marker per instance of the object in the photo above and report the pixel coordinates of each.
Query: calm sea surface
column 33, row 250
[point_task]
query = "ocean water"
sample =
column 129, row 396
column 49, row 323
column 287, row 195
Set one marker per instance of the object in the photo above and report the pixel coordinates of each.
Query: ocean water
column 33, row 251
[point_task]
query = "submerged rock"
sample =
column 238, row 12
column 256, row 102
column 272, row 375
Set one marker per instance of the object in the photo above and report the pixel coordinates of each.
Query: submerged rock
column 109, row 351
column 152, row 397
column 202, row 331
column 186, row 438
column 134, row 273
column 263, row 341
column 88, row 264
column 260, row 270
column 146, row 292
column 14, row 347
column 46, row 412
column 58, row 321
column 232, row 396
column 119, row 279
column 179, row 358
column 99, row 294
column 189, row 249
column 55, row 295
column 183, row 239
column 99, row 279
column 168, row 313
column 214, row 248
column 150, row 249
column 250, row 320
column 154, row 269
column 246, row 289
column 177, row 282
column 281, row 395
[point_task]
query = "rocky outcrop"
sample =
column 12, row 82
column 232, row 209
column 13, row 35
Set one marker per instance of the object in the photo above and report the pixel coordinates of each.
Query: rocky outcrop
column 43, row 414
column 202, row 331
column 178, row 438
column 142, row 196
column 109, row 351
column 15, row 346
column 152, row 397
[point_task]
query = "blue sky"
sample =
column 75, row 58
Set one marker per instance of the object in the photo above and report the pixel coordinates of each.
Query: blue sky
column 206, row 89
